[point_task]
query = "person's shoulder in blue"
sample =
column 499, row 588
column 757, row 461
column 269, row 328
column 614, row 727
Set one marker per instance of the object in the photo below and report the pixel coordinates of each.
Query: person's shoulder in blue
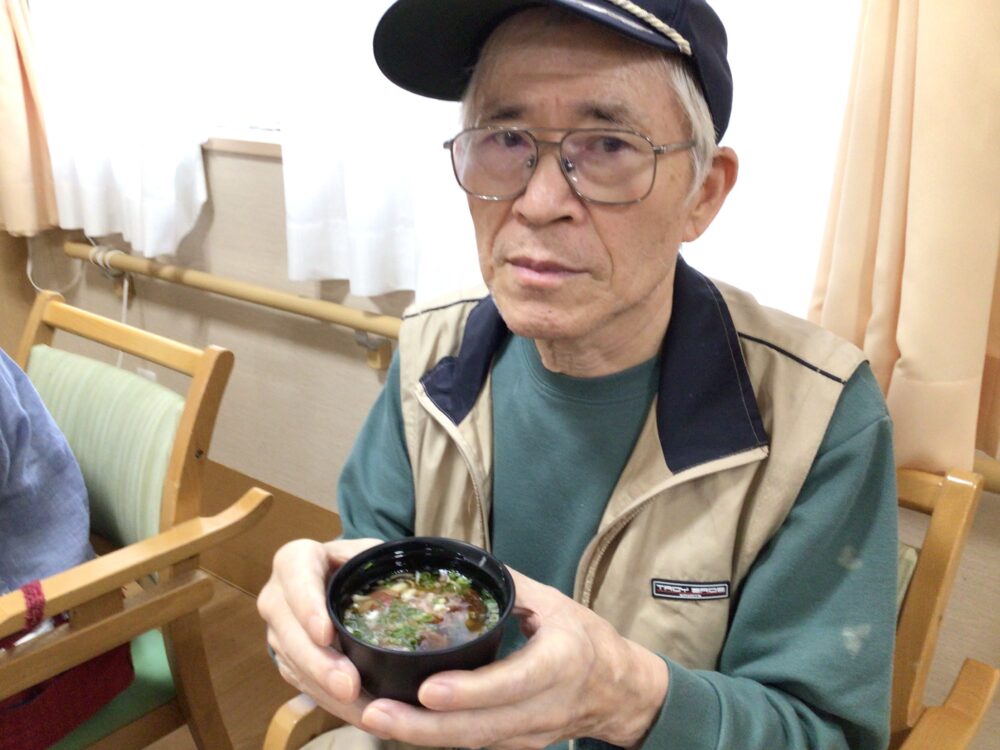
column 44, row 518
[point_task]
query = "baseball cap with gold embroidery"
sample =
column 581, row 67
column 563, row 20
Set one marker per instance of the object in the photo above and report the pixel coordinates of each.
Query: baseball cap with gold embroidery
column 430, row 47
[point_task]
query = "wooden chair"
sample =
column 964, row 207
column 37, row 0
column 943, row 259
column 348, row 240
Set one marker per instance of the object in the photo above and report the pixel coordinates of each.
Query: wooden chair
column 950, row 501
column 296, row 722
column 141, row 447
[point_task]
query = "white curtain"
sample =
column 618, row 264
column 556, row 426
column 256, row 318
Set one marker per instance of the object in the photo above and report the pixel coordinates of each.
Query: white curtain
column 121, row 84
column 132, row 89
column 369, row 192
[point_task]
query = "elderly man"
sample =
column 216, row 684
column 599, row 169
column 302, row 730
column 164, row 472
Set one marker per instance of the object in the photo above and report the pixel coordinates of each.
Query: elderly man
column 696, row 493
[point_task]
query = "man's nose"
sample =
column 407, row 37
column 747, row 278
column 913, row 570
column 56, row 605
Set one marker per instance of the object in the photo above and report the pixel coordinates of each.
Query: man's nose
column 548, row 195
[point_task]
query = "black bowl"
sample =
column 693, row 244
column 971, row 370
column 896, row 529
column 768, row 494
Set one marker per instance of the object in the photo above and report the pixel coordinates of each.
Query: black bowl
column 386, row 673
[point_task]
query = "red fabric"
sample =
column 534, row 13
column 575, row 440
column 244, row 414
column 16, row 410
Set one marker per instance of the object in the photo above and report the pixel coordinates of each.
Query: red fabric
column 43, row 714
column 36, row 718
column 34, row 598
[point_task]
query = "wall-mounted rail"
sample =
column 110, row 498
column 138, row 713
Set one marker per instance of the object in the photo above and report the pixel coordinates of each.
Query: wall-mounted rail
column 384, row 327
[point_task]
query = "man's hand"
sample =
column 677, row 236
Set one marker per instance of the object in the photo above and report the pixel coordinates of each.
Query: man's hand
column 575, row 677
column 299, row 630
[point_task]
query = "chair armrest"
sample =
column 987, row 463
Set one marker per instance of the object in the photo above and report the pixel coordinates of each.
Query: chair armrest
column 952, row 726
column 102, row 575
column 63, row 647
column 296, row 722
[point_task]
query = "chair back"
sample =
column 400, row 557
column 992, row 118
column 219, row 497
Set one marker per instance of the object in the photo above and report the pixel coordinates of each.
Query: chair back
column 950, row 502
column 141, row 446
column 121, row 428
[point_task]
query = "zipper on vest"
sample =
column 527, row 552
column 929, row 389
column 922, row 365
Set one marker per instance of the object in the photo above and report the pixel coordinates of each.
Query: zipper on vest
column 476, row 489
column 609, row 536
column 452, row 431
column 478, row 494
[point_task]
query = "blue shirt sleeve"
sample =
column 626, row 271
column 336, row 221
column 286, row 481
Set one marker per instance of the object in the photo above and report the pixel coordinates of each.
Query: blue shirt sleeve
column 807, row 660
column 44, row 515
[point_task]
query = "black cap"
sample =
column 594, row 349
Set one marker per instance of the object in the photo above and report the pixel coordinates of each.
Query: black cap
column 430, row 47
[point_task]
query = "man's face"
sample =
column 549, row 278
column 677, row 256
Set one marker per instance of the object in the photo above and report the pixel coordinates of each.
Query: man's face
column 581, row 275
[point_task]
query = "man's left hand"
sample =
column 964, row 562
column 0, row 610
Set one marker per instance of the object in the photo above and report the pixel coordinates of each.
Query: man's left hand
column 575, row 677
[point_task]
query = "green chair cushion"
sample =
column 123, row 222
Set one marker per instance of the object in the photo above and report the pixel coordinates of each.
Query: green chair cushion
column 153, row 686
column 121, row 428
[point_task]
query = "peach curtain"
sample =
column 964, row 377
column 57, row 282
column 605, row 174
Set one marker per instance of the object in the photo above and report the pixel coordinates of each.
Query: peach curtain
column 909, row 264
column 27, row 197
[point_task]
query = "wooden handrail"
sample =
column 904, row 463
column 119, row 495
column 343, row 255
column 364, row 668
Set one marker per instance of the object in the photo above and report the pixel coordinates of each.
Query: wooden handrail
column 386, row 326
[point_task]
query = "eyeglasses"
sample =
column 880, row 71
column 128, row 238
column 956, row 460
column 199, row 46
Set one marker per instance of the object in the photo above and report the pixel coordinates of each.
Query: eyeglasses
column 601, row 166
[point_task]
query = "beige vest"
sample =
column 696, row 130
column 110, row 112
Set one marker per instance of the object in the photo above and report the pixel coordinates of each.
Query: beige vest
column 675, row 542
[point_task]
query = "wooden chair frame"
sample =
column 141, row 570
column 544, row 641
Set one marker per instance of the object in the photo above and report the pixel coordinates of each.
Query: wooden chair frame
column 950, row 501
column 172, row 587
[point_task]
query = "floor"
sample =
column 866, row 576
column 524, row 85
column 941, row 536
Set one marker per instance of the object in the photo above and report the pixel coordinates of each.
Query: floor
column 246, row 681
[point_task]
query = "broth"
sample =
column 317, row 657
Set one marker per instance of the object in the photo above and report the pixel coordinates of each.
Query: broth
column 423, row 611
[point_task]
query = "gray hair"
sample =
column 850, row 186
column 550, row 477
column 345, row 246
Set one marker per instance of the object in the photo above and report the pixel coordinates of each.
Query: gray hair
column 687, row 93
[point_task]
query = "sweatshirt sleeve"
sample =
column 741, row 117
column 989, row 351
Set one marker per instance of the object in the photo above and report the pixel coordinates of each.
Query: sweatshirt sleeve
column 44, row 512
column 375, row 494
column 808, row 658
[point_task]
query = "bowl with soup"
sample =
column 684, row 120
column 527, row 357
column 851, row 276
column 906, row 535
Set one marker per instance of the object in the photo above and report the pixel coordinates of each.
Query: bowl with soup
column 410, row 608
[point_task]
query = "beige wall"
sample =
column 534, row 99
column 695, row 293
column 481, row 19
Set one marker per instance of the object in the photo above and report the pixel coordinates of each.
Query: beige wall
column 300, row 388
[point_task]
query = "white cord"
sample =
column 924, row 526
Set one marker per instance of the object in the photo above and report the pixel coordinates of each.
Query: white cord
column 125, row 281
column 101, row 256
column 31, row 280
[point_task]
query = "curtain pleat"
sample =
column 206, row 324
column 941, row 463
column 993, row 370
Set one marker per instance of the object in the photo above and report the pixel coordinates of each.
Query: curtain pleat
column 908, row 267
column 27, row 198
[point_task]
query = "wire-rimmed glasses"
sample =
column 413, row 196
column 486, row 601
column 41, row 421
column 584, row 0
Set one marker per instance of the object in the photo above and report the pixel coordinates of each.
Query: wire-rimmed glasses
column 601, row 165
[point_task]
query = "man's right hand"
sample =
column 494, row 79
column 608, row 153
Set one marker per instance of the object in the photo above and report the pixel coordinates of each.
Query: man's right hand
column 299, row 629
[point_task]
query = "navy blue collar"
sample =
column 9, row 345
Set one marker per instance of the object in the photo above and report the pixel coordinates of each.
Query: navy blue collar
column 705, row 408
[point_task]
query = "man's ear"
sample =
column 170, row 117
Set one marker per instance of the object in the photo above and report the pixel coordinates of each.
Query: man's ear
column 712, row 194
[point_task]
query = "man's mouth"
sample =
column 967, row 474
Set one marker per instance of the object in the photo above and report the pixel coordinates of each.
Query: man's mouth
column 534, row 272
